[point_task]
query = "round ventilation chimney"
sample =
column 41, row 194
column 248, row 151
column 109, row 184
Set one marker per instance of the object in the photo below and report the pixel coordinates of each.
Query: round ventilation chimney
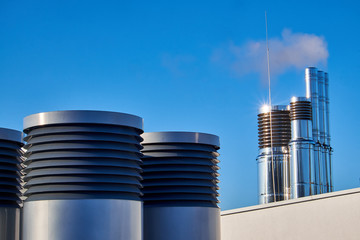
column 82, row 176
column 180, row 186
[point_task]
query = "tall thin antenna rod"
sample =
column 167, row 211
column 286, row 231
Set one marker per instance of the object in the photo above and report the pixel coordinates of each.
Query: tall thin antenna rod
column 271, row 133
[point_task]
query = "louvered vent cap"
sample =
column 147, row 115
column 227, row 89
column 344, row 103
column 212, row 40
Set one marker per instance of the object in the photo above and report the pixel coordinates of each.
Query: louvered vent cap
column 82, row 154
column 180, row 169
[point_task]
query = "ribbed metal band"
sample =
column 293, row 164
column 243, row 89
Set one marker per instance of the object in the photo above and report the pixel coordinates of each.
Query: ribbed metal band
column 180, row 173
column 82, row 160
column 10, row 144
column 280, row 129
column 300, row 109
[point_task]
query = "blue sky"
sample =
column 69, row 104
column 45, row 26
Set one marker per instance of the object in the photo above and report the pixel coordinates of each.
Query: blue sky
column 180, row 65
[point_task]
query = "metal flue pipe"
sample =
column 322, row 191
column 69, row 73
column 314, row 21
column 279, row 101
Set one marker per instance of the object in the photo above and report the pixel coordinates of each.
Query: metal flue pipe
column 311, row 80
column 180, row 186
column 10, row 144
column 274, row 133
column 82, row 176
column 327, row 134
column 322, row 117
column 302, row 177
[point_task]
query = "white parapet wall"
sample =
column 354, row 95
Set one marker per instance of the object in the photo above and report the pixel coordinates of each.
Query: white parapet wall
column 327, row 216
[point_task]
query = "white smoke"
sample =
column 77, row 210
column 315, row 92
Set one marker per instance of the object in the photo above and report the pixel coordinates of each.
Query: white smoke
column 291, row 51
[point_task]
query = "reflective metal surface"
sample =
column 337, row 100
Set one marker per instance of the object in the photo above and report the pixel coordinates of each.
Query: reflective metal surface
column 274, row 185
column 316, row 169
column 10, row 173
column 274, row 133
column 83, row 117
column 82, row 173
column 327, row 134
column 324, row 171
column 181, row 223
column 302, row 179
column 313, row 94
column 300, row 167
column 180, row 137
column 90, row 219
column 9, row 223
column 321, row 109
column 327, row 111
column 180, row 186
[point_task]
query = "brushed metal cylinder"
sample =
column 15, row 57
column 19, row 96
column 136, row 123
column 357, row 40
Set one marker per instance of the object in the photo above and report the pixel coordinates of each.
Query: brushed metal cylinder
column 274, row 133
column 182, row 222
column 312, row 93
column 180, row 186
column 109, row 219
column 82, row 174
column 302, row 179
column 9, row 223
column 301, row 153
column 324, row 170
column 273, row 174
column 10, row 144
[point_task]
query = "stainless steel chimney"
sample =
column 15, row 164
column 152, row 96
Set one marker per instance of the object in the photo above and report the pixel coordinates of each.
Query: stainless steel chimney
column 10, row 144
column 274, row 131
column 327, row 135
column 322, row 116
column 180, row 186
column 302, row 176
column 82, row 176
column 313, row 94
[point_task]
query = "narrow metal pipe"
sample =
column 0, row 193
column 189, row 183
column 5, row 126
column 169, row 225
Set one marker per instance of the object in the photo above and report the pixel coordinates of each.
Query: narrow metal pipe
column 312, row 93
column 327, row 134
column 321, row 108
column 273, row 158
column 322, row 136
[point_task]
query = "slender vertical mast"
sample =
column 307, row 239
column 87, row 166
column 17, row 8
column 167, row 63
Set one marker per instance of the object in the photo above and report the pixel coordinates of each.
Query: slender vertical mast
column 269, row 80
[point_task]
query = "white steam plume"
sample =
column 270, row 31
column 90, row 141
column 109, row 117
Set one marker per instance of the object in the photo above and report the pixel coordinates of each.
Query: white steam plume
column 291, row 51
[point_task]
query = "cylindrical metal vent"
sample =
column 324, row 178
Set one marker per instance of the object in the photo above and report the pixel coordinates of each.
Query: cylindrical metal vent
column 302, row 176
column 82, row 172
column 180, row 186
column 273, row 159
column 10, row 144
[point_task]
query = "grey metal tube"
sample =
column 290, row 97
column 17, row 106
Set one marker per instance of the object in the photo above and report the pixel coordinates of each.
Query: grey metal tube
column 180, row 186
column 82, row 176
column 322, row 130
column 10, row 144
column 327, row 134
column 273, row 158
column 302, row 177
column 321, row 109
column 313, row 94
column 327, row 110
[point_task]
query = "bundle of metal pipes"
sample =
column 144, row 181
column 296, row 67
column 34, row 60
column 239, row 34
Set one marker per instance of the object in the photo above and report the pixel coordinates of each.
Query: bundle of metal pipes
column 80, row 175
column 297, row 164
